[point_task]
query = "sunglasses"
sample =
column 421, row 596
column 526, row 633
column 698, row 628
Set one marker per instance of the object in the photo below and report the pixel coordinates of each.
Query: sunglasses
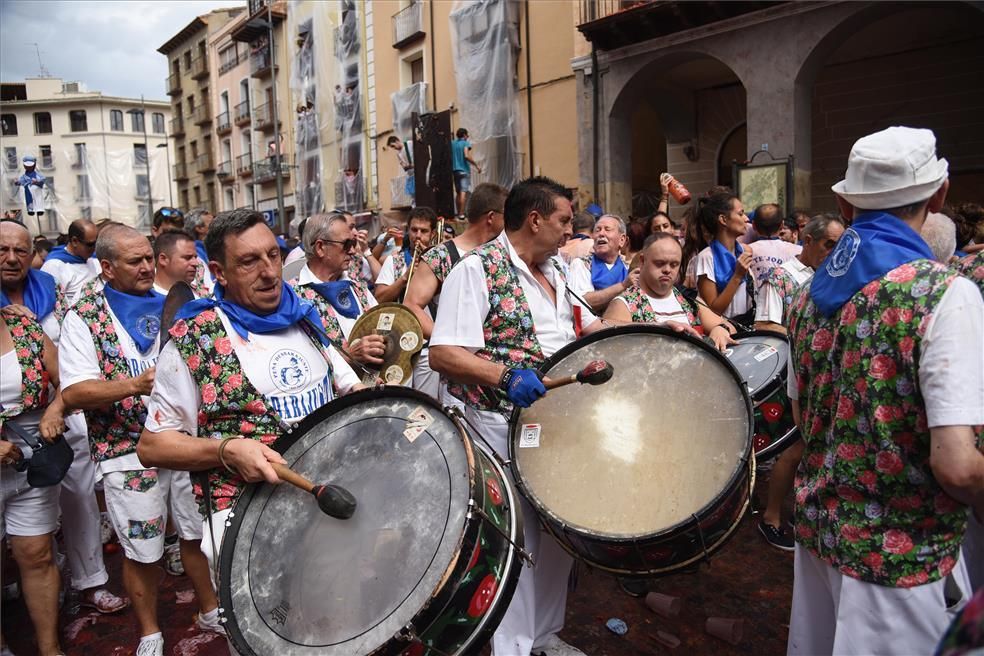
column 347, row 244
column 171, row 212
column 87, row 244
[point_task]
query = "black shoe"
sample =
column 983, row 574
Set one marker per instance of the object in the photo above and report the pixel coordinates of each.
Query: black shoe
column 777, row 537
column 634, row 587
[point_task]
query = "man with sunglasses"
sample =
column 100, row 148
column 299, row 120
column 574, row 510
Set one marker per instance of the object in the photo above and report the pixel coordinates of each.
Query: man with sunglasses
column 72, row 265
column 325, row 281
column 166, row 219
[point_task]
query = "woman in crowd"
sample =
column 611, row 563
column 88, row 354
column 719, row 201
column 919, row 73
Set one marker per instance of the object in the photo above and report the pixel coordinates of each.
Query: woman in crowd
column 722, row 264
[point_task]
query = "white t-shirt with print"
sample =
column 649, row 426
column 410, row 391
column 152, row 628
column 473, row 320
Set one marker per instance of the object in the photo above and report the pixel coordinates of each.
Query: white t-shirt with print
column 767, row 254
column 769, row 303
column 285, row 366
column 665, row 309
column 72, row 277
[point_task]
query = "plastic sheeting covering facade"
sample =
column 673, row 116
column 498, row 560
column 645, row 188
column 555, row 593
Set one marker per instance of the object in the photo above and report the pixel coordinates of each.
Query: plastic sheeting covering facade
column 94, row 183
column 485, row 48
column 327, row 83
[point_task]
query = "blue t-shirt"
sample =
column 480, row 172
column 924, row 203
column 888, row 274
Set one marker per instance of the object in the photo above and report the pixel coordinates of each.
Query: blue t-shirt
column 458, row 162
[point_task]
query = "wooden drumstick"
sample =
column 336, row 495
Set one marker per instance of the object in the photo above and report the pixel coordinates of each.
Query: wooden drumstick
column 334, row 501
column 597, row 372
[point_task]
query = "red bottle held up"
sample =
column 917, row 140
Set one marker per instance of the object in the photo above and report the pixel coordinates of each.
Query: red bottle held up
column 678, row 191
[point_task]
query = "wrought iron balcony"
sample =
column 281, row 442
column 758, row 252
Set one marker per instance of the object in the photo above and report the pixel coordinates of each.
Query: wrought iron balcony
column 199, row 67
column 224, row 172
column 260, row 62
column 177, row 126
column 265, row 170
column 263, row 117
column 204, row 163
column 180, row 171
column 201, row 115
column 222, row 124
column 408, row 24
column 173, row 84
column 244, row 165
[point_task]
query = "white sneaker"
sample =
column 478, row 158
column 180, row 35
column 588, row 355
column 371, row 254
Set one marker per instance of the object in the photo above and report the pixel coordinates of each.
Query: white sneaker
column 211, row 622
column 554, row 646
column 151, row 645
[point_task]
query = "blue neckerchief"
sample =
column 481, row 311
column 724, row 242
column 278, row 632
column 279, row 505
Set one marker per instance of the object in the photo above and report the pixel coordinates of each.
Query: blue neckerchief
column 59, row 253
column 281, row 243
column 602, row 276
column 140, row 315
column 407, row 254
column 200, row 249
column 39, row 293
column 875, row 244
column 724, row 263
column 959, row 253
column 339, row 295
column 291, row 311
column 580, row 235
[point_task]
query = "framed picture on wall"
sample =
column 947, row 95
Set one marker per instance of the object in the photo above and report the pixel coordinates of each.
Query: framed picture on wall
column 769, row 182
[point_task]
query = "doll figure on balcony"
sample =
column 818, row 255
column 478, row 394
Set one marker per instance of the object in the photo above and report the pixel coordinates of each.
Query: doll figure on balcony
column 33, row 184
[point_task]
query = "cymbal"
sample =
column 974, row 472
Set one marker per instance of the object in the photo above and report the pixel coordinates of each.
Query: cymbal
column 404, row 339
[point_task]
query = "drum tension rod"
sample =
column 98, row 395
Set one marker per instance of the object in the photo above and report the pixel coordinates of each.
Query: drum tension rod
column 700, row 533
column 408, row 634
column 474, row 508
column 455, row 411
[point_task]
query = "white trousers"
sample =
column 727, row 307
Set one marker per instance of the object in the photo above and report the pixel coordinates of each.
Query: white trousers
column 537, row 609
column 212, row 555
column 836, row 614
column 79, row 511
column 425, row 379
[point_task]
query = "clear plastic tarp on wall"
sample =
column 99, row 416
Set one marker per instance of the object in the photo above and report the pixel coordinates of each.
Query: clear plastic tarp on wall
column 485, row 48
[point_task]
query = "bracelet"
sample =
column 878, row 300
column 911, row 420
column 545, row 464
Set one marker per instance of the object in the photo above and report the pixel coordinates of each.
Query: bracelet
column 225, row 443
column 506, row 377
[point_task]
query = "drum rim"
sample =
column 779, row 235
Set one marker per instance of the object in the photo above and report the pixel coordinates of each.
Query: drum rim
column 436, row 602
column 629, row 329
column 770, row 387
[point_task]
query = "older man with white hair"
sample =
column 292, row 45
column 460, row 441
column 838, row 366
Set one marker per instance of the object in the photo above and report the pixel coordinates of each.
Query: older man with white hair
column 603, row 275
column 940, row 234
column 887, row 384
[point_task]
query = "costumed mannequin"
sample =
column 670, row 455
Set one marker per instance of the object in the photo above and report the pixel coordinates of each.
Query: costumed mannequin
column 33, row 183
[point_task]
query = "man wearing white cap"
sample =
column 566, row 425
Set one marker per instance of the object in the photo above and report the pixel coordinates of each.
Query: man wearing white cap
column 33, row 183
column 887, row 347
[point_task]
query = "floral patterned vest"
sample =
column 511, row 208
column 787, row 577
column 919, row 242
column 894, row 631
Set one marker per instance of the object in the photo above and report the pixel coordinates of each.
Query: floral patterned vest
column 642, row 311
column 399, row 264
column 115, row 429
column 329, row 318
column 28, row 338
column 508, row 329
column 438, row 260
column 972, row 266
column 866, row 499
column 229, row 403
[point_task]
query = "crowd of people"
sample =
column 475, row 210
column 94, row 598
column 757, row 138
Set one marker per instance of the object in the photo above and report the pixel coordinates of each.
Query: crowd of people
column 880, row 299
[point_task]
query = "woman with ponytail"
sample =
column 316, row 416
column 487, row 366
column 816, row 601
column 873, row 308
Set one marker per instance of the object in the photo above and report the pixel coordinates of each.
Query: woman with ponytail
column 722, row 265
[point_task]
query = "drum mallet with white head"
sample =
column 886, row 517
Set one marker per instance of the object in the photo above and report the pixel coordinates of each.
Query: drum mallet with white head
column 333, row 500
column 597, row 372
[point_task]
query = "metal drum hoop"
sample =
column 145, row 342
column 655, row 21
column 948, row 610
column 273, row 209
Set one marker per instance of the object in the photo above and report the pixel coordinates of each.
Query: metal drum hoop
column 774, row 383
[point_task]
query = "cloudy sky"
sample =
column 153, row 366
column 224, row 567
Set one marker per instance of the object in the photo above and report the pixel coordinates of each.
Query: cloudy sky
column 110, row 46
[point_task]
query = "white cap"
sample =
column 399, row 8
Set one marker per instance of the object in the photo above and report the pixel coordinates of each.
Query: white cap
column 892, row 168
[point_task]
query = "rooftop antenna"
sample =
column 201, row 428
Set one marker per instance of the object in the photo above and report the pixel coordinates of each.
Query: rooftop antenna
column 37, row 49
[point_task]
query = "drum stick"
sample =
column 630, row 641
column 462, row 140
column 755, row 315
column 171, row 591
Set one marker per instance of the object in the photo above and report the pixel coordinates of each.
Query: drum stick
column 596, row 372
column 333, row 500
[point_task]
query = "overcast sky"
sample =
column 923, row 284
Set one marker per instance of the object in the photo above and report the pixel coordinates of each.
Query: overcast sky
column 110, row 46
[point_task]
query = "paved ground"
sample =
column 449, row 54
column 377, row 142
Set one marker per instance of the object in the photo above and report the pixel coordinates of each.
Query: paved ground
column 747, row 580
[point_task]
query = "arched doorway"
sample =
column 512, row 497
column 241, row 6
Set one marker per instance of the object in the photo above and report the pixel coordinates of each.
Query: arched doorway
column 672, row 115
column 732, row 150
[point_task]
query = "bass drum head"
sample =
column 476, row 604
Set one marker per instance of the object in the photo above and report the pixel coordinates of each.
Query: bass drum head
column 646, row 451
column 295, row 581
column 761, row 358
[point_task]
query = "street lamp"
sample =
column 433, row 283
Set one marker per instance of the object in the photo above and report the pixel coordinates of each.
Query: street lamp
column 268, row 24
column 167, row 153
column 143, row 123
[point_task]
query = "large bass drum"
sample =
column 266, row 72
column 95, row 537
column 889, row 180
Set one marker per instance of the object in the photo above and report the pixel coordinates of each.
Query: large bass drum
column 427, row 565
column 648, row 473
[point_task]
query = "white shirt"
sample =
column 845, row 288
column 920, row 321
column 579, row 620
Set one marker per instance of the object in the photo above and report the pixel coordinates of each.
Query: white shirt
column 286, row 367
column 71, row 277
column 78, row 362
column 769, row 303
column 293, row 256
column 767, row 254
column 665, row 309
column 465, row 304
column 951, row 364
column 580, row 276
column 306, row 277
column 11, row 395
column 705, row 267
column 387, row 272
column 207, row 280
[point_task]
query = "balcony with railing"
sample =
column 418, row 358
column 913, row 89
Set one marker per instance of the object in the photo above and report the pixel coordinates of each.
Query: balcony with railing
column 408, row 24
column 199, row 67
column 173, row 84
column 265, row 170
column 180, row 171
column 263, row 117
column 240, row 114
column 229, row 61
column 222, row 124
column 177, row 127
column 260, row 61
column 224, row 172
column 244, row 165
column 611, row 24
column 204, row 163
column 201, row 115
